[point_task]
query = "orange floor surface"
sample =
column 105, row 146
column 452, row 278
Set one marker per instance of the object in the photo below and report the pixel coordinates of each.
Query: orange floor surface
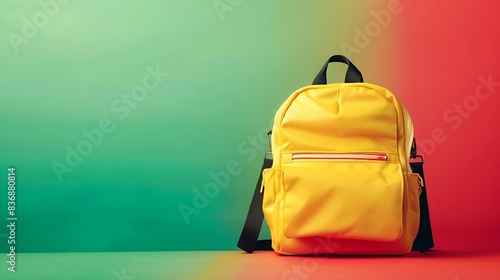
column 237, row 265
column 427, row 266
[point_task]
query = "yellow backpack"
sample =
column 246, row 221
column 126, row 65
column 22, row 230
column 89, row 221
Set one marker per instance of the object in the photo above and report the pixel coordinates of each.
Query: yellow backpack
column 341, row 180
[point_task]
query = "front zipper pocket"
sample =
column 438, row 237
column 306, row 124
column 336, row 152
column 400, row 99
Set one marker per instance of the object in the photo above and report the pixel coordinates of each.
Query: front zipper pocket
column 343, row 195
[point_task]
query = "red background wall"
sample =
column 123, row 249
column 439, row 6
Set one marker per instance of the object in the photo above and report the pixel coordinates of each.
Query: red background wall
column 447, row 48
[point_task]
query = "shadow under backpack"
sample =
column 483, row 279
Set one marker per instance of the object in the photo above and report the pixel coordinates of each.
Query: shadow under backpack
column 344, row 177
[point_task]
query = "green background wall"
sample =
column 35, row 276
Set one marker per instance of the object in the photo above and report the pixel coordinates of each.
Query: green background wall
column 68, row 67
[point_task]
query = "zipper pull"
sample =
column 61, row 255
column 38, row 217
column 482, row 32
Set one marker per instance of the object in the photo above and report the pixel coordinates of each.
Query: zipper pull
column 420, row 181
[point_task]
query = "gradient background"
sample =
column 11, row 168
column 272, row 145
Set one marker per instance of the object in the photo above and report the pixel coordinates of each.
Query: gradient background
column 228, row 75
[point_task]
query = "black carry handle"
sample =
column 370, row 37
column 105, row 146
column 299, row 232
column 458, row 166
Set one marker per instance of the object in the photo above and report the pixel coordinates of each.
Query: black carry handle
column 353, row 75
column 424, row 240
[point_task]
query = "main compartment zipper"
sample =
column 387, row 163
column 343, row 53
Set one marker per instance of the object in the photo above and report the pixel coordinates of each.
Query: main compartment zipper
column 341, row 156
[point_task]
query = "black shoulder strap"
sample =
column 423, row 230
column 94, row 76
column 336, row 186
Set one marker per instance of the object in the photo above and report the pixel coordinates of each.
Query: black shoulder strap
column 250, row 233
